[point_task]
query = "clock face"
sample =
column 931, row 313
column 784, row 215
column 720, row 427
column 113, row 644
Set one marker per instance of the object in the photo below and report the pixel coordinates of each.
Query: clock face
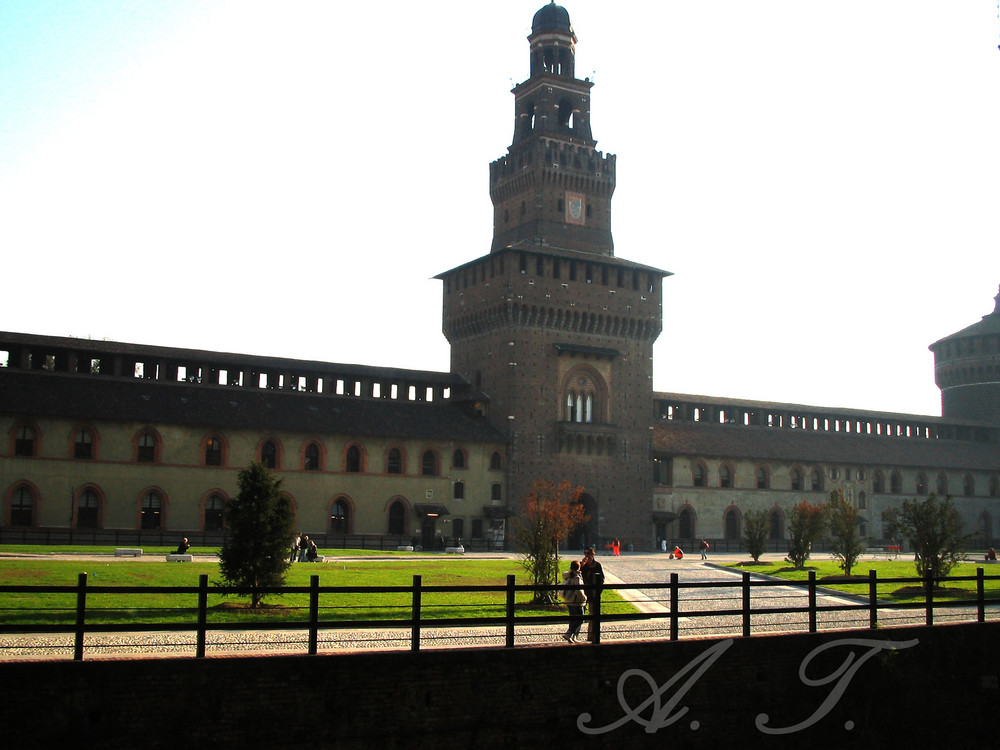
column 576, row 210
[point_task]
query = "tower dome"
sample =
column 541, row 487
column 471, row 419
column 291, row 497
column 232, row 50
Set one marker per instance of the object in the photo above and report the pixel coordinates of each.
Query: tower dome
column 967, row 370
column 551, row 17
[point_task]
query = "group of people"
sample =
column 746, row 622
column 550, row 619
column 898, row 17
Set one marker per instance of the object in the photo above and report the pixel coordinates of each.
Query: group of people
column 303, row 549
column 582, row 584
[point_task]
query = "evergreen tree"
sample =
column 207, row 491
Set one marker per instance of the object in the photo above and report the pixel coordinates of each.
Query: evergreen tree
column 259, row 533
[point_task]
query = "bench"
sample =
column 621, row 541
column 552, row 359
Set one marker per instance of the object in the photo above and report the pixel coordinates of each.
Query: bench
column 128, row 552
column 454, row 550
column 174, row 557
column 404, row 548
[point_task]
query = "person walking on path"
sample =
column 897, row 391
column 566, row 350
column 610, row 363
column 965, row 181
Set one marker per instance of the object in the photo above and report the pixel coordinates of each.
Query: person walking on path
column 593, row 581
column 704, row 549
column 576, row 600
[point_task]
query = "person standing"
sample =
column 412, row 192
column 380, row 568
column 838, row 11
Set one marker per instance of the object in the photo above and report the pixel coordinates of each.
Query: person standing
column 295, row 548
column 303, row 548
column 593, row 581
column 704, row 549
column 575, row 599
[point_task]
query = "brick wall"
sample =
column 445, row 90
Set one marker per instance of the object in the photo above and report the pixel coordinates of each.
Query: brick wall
column 941, row 692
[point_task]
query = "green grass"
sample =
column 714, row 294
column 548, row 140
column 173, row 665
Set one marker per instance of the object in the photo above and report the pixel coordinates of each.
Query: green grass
column 829, row 575
column 152, row 608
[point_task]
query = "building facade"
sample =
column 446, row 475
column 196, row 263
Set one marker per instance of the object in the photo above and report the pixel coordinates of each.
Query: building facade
column 551, row 339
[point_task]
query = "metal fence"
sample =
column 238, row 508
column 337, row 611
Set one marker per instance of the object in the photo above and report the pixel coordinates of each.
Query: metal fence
column 746, row 607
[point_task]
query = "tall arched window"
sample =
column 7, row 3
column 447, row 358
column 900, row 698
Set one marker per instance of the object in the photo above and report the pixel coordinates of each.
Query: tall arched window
column 725, row 476
column 895, row 483
column 397, row 518
column 816, row 480
column 83, row 445
column 352, row 460
column 686, row 523
column 458, row 490
column 269, row 454
column 152, row 511
column 732, row 524
column 458, row 459
column 310, row 457
column 213, row 451
column 340, row 517
column 215, row 506
column 698, row 475
column 394, row 461
column 429, row 464
column 88, row 506
column 24, row 441
column 796, row 479
column 878, row 483
column 584, row 395
column 145, row 449
column 22, row 507
column 496, row 461
column 777, row 525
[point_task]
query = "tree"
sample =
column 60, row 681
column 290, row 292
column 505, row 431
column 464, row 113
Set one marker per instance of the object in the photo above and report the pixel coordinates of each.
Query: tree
column 845, row 542
column 548, row 514
column 934, row 529
column 756, row 526
column 805, row 526
column 259, row 533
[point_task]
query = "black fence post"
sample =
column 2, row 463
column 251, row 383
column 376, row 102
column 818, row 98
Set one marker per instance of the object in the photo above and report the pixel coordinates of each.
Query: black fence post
column 510, row 612
column 812, row 601
column 81, row 616
column 674, row 607
column 746, row 604
column 928, row 599
column 872, row 599
column 415, row 632
column 202, row 615
column 313, row 614
column 980, row 595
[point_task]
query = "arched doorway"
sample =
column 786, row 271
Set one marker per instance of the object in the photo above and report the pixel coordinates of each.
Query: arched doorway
column 587, row 533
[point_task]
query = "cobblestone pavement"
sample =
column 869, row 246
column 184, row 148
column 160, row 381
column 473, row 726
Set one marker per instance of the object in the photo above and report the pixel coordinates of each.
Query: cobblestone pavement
column 702, row 591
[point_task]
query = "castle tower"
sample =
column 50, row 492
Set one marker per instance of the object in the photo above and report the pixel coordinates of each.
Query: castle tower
column 967, row 370
column 552, row 328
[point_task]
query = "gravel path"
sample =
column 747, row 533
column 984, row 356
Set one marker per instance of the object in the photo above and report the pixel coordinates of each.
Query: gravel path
column 705, row 596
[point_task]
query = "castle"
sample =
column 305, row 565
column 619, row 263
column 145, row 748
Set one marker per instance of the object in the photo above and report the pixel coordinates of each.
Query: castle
column 551, row 339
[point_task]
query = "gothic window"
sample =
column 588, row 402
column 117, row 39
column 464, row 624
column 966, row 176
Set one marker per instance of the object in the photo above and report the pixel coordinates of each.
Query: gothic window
column 214, row 507
column 763, row 478
column 496, row 491
column 796, row 477
column 83, row 445
column 310, row 458
column 686, row 523
column 24, row 443
column 496, row 461
column 340, row 517
column 152, row 511
column 878, row 483
column 145, row 449
column 458, row 490
column 394, row 461
column 88, row 506
column 22, row 507
column 397, row 519
column 942, row 484
column 816, row 480
column 698, row 475
column 353, row 463
column 895, row 483
column 269, row 454
column 429, row 464
column 583, row 397
column 458, row 459
column 213, row 451
column 731, row 524
column 725, row 476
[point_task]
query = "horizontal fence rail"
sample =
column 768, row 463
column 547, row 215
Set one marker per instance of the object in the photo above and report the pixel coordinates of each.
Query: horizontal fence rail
column 747, row 606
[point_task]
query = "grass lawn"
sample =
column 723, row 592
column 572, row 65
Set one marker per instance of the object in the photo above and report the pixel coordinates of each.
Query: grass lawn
column 829, row 575
column 153, row 607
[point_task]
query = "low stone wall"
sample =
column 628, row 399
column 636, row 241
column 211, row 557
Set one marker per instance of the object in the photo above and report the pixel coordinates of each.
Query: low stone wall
column 925, row 687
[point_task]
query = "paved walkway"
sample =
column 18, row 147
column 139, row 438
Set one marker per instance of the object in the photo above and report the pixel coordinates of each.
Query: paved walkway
column 703, row 590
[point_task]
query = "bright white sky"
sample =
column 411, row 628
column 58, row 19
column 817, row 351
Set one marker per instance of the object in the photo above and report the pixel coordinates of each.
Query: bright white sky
column 285, row 178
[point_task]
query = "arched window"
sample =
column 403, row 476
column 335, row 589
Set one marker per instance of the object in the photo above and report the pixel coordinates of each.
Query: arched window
column 458, row 490
column 777, row 530
column 763, row 478
column 458, row 459
column 862, row 500
column 269, row 454
column 698, row 475
column 878, row 483
column 942, row 484
column 686, row 523
column 394, row 461
column 816, row 480
column 24, row 441
column 732, row 524
column 584, row 395
column 895, row 483
column 796, row 479
column 88, row 506
column 397, row 518
column 496, row 461
column 215, row 507
column 310, row 457
column 969, row 485
column 145, row 448
column 22, row 506
column 725, row 476
column 213, row 451
column 353, row 460
column 83, row 445
column 340, row 517
column 429, row 463
column 152, row 511
column 496, row 491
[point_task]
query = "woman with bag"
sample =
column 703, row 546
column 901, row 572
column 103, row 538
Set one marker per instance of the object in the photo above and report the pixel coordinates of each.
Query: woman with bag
column 575, row 600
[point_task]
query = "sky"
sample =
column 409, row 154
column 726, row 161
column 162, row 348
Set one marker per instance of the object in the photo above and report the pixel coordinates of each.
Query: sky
column 285, row 179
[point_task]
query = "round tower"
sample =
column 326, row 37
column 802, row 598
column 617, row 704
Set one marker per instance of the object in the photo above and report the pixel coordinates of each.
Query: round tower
column 967, row 370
